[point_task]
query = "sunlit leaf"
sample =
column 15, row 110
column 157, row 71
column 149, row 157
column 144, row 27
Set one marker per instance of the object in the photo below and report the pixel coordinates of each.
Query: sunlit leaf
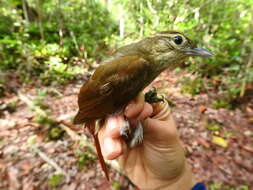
column 220, row 141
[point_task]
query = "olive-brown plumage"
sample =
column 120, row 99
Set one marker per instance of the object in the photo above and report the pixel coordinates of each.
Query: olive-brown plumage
column 111, row 87
column 121, row 77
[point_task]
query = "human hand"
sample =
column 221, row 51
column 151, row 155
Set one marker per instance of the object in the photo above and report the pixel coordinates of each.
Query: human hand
column 159, row 162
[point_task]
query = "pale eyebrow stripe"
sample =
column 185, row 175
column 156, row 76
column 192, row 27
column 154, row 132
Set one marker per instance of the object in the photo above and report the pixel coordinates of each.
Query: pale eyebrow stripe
column 161, row 35
column 168, row 35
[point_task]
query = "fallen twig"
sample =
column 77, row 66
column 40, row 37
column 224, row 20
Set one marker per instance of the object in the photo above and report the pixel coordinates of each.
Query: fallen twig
column 69, row 128
column 74, row 136
column 48, row 160
column 31, row 104
column 31, row 142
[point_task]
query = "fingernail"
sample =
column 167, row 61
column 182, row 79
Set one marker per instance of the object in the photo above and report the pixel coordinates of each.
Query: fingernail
column 109, row 146
column 129, row 107
column 111, row 124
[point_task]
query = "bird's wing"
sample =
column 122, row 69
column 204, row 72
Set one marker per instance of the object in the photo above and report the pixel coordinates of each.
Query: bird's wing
column 112, row 86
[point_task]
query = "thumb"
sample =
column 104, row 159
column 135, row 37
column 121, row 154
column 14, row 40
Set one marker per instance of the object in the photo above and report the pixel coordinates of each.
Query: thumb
column 161, row 125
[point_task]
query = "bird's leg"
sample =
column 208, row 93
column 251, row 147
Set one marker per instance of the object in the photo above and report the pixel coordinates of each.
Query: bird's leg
column 97, row 126
column 125, row 130
column 137, row 136
column 152, row 97
column 132, row 137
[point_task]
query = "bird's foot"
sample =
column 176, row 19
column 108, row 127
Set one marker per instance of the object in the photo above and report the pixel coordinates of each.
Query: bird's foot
column 152, row 97
column 137, row 136
column 125, row 130
column 132, row 137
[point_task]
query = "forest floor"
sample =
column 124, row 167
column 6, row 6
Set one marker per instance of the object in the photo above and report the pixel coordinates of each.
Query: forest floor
column 218, row 142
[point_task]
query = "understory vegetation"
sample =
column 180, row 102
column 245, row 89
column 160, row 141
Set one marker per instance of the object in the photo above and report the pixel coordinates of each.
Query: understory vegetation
column 54, row 42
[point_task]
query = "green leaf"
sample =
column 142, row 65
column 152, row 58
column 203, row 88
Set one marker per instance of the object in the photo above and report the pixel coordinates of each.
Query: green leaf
column 220, row 141
column 55, row 180
column 214, row 127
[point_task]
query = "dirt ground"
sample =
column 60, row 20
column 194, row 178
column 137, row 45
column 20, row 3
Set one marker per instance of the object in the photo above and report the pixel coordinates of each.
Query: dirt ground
column 218, row 142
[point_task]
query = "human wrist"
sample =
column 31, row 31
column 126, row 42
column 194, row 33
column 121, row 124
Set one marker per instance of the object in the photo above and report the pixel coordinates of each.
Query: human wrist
column 182, row 182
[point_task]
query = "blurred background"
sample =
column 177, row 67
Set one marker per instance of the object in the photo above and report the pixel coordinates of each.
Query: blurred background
column 48, row 48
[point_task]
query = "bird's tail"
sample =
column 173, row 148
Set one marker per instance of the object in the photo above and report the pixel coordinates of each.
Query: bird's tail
column 91, row 126
column 100, row 156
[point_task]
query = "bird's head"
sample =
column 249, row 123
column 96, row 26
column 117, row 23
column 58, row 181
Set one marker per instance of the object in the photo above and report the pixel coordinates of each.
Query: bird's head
column 170, row 48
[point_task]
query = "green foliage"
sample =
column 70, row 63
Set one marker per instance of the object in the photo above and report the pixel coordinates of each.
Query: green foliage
column 215, row 187
column 43, row 120
column 52, row 130
column 2, row 90
column 84, row 158
column 55, row 180
column 223, row 187
column 43, row 44
column 228, row 97
column 12, row 105
column 213, row 127
column 55, row 133
column 192, row 86
column 40, row 99
column 222, row 103
column 57, row 70
column 10, row 50
column 90, row 23
column 224, row 27
column 6, row 25
column 244, row 187
column 41, row 41
column 2, row 84
column 2, row 143
column 116, row 185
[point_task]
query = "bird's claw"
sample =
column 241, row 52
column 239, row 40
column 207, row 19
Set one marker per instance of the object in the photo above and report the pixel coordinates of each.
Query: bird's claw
column 152, row 97
column 132, row 137
column 125, row 130
column 137, row 136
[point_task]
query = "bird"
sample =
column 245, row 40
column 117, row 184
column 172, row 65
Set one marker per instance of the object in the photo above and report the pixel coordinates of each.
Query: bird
column 122, row 76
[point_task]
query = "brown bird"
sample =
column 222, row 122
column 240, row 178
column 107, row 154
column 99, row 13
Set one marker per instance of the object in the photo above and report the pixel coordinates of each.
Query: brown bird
column 124, row 75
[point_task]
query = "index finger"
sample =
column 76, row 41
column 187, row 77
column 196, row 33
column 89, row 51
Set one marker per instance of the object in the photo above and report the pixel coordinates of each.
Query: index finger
column 135, row 107
column 111, row 143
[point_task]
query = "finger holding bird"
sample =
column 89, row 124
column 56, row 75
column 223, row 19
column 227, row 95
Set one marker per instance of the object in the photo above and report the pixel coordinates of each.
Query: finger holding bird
column 122, row 77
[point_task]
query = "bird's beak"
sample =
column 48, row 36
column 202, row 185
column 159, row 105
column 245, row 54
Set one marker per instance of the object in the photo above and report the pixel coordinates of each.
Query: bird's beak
column 198, row 52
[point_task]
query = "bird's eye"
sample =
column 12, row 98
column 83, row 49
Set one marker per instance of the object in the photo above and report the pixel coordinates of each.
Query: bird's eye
column 178, row 40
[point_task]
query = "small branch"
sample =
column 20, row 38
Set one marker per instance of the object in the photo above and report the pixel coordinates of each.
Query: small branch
column 40, row 16
column 72, row 34
column 244, row 82
column 55, row 91
column 31, row 104
column 60, row 18
column 69, row 128
column 32, row 144
column 48, row 160
column 74, row 136
column 24, row 7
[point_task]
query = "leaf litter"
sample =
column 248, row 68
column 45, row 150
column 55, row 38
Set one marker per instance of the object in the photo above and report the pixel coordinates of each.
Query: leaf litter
column 218, row 142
